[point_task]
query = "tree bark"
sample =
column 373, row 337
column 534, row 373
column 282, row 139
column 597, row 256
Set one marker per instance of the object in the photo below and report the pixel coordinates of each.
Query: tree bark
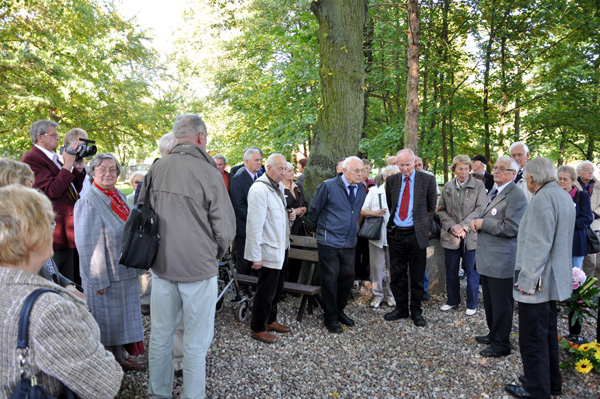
column 411, row 121
column 342, row 72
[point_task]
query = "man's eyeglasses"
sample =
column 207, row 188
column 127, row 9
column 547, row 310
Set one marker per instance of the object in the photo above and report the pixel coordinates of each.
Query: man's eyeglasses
column 502, row 169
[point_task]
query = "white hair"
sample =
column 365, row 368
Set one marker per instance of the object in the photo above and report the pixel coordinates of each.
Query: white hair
column 513, row 164
column 583, row 163
column 409, row 151
column 518, row 143
column 390, row 168
column 166, row 143
column 271, row 160
column 347, row 161
column 542, row 170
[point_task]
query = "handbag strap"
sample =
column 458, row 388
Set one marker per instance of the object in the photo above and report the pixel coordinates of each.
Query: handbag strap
column 23, row 336
column 148, row 188
column 379, row 194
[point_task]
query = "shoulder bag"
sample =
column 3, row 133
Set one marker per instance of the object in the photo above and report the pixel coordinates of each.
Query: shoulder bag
column 371, row 228
column 28, row 387
column 140, row 241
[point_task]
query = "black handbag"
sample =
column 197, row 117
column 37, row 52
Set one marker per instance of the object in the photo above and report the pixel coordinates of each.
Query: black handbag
column 593, row 242
column 371, row 228
column 28, row 388
column 140, row 241
column 435, row 227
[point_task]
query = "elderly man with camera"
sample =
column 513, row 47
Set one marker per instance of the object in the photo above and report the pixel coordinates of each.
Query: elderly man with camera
column 62, row 183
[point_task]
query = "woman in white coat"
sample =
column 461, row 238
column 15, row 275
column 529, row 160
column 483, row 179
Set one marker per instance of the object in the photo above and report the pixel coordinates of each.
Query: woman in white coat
column 379, row 255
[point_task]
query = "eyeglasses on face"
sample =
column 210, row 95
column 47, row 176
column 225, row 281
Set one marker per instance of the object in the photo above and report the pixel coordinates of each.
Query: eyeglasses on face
column 502, row 169
column 103, row 170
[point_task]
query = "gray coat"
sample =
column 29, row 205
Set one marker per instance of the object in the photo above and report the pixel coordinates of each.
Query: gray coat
column 497, row 239
column 544, row 247
column 98, row 232
column 471, row 204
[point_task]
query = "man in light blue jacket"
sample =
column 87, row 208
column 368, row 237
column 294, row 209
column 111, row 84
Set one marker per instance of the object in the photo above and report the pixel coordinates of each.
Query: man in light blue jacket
column 543, row 276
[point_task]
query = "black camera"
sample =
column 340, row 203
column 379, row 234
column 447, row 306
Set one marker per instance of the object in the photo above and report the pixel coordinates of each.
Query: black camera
column 87, row 149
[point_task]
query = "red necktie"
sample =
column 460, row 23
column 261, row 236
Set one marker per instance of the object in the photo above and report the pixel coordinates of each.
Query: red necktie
column 405, row 200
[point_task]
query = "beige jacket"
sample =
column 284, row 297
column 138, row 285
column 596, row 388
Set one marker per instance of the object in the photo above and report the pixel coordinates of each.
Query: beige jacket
column 471, row 206
column 64, row 340
column 196, row 222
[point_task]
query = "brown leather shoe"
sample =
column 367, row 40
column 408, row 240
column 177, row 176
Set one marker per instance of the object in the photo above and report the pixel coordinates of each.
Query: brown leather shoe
column 264, row 336
column 275, row 326
column 130, row 365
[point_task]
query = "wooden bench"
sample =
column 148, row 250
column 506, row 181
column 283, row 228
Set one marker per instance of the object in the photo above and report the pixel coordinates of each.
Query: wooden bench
column 305, row 249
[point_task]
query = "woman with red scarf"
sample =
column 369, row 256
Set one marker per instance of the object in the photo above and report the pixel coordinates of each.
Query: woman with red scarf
column 111, row 289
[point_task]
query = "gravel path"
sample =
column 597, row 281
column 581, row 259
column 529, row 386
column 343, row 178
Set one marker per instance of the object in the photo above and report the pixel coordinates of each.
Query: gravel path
column 374, row 359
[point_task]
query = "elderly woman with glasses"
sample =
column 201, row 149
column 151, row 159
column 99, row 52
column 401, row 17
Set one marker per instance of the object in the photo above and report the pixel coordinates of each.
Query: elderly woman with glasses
column 461, row 201
column 111, row 289
column 136, row 178
column 64, row 340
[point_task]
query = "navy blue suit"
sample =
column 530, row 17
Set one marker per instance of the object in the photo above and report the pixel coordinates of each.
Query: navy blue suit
column 238, row 190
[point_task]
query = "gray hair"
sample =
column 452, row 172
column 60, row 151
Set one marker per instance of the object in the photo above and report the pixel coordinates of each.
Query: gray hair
column 166, row 143
column 40, row 127
column 409, row 151
column 101, row 157
column 347, row 161
column 583, row 163
column 290, row 166
column 222, row 157
column 542, row 170
column 516, row 144
column 136, row 173
column 390, row 168
column 513, row 164
column 188, row 125
column 252, row 150
column 271, row 160
column 568, row 169
column 73, row 134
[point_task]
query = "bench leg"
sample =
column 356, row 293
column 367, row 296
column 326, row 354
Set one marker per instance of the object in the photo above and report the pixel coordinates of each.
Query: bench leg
column 302, row 306
column 311, row 304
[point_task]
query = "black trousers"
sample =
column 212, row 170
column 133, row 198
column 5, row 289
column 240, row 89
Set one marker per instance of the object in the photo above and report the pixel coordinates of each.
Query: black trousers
column 67, row 261
column 336, row 269
column 362, row 268
column 268, row 291
column 538, row 340
column 498, row 303
column 407, row 258
column 242, row 265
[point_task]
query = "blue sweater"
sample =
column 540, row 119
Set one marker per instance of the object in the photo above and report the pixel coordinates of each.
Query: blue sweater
column 332, row 215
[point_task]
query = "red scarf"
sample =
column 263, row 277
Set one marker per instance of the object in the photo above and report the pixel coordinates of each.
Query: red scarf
column 116, row 203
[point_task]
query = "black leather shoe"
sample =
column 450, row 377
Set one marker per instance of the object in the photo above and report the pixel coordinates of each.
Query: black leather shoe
column 418, row 320
column 517, row 391
column 489, row 352
column 344, row 319
column 483, row 339
column 334, row 327
column 425, row 297
column 553, row 392
column 395, row 314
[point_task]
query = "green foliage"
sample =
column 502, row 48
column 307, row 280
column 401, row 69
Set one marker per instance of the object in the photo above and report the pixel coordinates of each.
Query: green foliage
column 259, row 61
column 77, row 62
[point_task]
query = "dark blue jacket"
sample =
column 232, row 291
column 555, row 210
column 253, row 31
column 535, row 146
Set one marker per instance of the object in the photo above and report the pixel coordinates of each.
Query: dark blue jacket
column 583, row 220
column 332, row 215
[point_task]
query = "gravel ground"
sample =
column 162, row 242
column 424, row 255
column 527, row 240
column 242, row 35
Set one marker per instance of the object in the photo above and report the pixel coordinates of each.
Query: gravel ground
column 374, row 359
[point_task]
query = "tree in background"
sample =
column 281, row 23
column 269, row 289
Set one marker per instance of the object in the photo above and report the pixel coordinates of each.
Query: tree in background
column 80, row 64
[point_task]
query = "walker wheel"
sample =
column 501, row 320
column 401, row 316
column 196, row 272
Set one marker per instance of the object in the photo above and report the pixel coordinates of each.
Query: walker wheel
column 242, row 312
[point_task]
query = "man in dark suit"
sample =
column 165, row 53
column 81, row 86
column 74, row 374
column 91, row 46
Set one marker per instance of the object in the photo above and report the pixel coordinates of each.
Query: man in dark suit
column 497, row 229
column 479, row 164
column 62, row 184
column 333, row 215
column 240, row 185
column 412, row 197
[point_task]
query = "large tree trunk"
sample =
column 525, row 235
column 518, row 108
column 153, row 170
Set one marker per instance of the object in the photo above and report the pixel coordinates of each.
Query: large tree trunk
column 411, row 122
column 342, row 71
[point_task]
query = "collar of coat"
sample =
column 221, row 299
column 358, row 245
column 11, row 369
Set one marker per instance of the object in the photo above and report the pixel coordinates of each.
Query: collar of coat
column 187, row 148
